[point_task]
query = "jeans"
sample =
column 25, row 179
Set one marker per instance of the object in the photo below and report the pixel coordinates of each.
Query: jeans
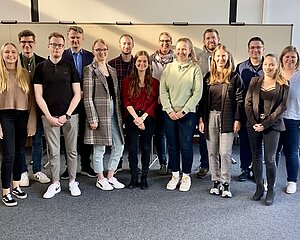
column 160, row 139
column 14, row 127
column 245, row 149
column 116, row 150
column 180, row 141
column 37, row 147
column 137, row 137
column 52, row 135
column 290, row 141
column 269, row 138
column 219, row 148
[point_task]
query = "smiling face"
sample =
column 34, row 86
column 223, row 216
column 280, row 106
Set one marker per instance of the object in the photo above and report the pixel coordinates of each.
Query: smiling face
column 141, row 63
column 211, row 40
column 289, row 60
column 256, row 50
column 100, row 52
column 75, row 40
column 10, row 55
column 126, row 45
column 183, row 51
column 164, row 44
column 221, row 58
column 270, row 66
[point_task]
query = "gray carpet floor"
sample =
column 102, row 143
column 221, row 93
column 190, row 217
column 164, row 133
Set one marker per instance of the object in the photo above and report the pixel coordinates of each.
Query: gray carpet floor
column 155, row 213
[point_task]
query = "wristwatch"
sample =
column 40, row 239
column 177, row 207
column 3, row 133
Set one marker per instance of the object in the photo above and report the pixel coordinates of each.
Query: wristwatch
column 183, row 112
column 68, row 117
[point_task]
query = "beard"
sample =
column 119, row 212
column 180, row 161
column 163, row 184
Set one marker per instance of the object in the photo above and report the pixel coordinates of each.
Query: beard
column 126, row 53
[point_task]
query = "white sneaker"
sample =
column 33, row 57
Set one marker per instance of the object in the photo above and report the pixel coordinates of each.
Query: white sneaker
column 172, row 184
column 291, row 187
column 115, row 183
column 24, row 182
column 185, row 183
column 41, row 177
column 103, row 184
column 74, row 189
column 225, row 189
column 53, row 189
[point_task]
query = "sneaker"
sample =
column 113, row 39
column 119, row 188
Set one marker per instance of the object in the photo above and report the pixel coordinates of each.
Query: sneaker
column 291, row 187
column 202, row 172
column 104, row 185
column 88, row 172
column 19, row 193
column 9, row 201
column 225, row 188
column 244, row 176
column 115, row 183
column 215, row 190
column 53, row 189
column 74, row 189
column 41, row 177
column 65, row 175
column 172, row 184
column 24, row 182
column 163, row 169
column 185, row 184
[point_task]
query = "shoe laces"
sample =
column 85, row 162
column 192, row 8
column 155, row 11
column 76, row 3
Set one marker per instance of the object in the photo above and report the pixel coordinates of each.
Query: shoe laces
column 9, row 197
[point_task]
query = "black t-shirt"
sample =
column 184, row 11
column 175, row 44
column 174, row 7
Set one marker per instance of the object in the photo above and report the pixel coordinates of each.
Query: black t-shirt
column 57, row 82
column 216, row 97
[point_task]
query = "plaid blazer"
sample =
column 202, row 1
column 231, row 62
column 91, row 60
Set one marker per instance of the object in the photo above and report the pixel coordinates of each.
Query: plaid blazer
column 96, row 99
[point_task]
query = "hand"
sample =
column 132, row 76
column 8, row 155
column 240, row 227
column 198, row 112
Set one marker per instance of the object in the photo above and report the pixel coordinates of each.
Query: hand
column 62, row 119
column 141, row 126
column 54, row 121
column 94, row 125
column 258, row 127
column 179, row 114
column 173, row 116
column 236, row 126
column 138, row 121
column 201, row 127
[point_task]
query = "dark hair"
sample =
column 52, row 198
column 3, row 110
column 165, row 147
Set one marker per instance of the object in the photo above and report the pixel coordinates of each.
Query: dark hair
column 125, row 35
column 135, row 88
column 26, row 33
column 209, row 30
column 76, row 29
column 255, row 39
column 56, row 35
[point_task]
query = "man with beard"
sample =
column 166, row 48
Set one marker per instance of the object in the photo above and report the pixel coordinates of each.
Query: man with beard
column 123, row 64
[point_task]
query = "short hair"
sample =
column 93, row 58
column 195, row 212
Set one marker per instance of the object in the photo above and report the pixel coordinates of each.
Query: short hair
column 287, row 50
column 57, row 35
column 76, row 29
column 26, row 33
column 255, row 39
column 210, row 30
column 100, row 40
column 165, row 33
column 126, row 35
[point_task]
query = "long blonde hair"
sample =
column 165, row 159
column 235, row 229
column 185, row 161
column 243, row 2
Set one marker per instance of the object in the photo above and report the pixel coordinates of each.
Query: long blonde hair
column 277, row 75
column 224, row 76
column 20, row 74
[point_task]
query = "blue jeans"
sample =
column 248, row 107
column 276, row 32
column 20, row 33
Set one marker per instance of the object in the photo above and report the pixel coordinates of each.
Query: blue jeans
column 37, row 147
column 180, row 141
column 14, row 127
column 245, row 149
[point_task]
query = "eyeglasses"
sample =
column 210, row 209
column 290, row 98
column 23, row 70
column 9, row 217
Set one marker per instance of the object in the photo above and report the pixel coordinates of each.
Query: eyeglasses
column 55, row 45
column 255, row 47
column 165, row 41
column 101, row 49
column 29, row 42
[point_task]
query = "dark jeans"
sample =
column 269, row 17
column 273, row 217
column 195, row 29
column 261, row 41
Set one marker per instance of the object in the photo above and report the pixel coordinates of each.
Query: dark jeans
column 245, row 149
column 160, row 138
column 180, row 141
column 37, row 147
column 270, row 138
column 14, row 127
column 289, row 140
column 203, row 151
column 139, row 138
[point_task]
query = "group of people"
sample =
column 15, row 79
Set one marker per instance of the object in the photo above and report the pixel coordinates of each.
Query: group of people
column 166, row 95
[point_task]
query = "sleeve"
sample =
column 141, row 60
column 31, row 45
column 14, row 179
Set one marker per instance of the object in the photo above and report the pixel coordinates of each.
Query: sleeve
column 164, row 90
column 151, row 110
column 74, row 74
column 37, row 76
column 125, row 93
column 32, row 119
column 239, row 89
column 249, row 103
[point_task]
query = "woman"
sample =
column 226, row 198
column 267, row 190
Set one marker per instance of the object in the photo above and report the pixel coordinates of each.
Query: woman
column 265, row 102
column 17, row 119
column 104, row 120
column 289, row 139
column 220, row 117
column 159, row 59
column 140, row 97
column 180, row 92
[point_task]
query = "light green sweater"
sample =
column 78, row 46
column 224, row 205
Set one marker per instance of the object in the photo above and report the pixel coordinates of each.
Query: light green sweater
column 181, row 86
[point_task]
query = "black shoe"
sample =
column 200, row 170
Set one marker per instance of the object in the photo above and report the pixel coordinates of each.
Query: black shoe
column 163, row 169
column 259, row 192
column 270, row 197
column 19, row 193
column 144, row 183
column 244, row 176
column 133, row 183
column 65, row 175
column 9, row 201
column 88, row 172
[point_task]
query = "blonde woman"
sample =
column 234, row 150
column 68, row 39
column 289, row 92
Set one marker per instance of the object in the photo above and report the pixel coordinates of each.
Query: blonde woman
column 17, row 119
column 265, row 103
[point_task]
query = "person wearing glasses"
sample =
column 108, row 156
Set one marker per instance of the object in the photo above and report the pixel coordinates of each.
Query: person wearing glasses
column 252, row 67
column 17, row 121
column 29, row 60
column 80, row 58
column 158, row 60
column 104, row 118
column 57, row 92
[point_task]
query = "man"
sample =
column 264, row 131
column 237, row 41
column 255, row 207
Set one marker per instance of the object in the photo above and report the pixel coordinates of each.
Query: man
column 29, row 60
column 248, row 69
column 123, row 64
column 80, row 58
column 57, row 92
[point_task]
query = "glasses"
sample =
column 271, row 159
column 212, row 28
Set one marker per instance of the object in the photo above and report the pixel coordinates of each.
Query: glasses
column 55, row 45
column 255, row 47
column 165, row 41
column 101, row 49
column 29, row 42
